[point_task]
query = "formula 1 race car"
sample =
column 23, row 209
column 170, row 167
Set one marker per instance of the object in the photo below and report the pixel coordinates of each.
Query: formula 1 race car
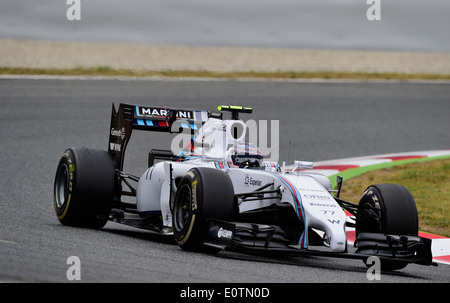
column 218, row 193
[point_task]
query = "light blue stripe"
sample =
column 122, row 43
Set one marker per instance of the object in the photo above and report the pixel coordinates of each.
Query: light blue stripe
column 304, row 235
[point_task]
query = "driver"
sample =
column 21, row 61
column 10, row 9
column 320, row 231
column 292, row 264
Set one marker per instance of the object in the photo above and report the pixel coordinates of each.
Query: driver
column 244, row 155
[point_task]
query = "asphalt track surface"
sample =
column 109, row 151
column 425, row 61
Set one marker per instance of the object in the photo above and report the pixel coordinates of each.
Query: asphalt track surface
column 39, row 119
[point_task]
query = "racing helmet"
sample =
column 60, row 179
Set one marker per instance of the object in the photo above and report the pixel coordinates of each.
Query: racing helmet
column 244, row 155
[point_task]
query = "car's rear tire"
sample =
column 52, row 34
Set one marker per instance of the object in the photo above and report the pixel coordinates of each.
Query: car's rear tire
column 203, row 193
column 84, row 187
column 387, row 209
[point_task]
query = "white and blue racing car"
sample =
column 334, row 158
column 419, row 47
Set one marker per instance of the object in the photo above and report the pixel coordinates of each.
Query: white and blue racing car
column 219, row 193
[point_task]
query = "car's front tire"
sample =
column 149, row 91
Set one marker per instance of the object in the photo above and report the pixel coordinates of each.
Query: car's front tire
column 387, row 209
column 84, row 187
column 203, row 193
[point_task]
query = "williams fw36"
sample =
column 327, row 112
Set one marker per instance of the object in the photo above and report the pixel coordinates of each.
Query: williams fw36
column 219, row 193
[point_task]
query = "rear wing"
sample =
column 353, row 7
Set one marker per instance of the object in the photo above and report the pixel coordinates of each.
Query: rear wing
column 149, row 118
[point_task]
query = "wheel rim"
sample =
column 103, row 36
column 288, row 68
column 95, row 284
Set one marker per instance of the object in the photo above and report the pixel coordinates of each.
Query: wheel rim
column 182, row 207
column 61, row 185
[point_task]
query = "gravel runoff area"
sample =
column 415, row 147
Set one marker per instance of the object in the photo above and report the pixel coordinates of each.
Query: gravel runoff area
column 66, row 55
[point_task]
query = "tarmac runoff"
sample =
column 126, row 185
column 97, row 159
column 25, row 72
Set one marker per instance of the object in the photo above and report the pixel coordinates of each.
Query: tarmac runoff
column 353, row 167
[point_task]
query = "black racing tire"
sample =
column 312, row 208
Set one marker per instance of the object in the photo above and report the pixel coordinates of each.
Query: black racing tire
column 387, row 209
column 203, row 193
column 84, row 187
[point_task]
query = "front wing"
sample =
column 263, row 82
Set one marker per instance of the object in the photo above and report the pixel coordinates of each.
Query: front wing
column 260, row 238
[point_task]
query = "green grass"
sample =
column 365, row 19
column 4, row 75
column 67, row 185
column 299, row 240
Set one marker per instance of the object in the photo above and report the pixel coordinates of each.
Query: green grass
column 110, row 72
column 428, row 182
